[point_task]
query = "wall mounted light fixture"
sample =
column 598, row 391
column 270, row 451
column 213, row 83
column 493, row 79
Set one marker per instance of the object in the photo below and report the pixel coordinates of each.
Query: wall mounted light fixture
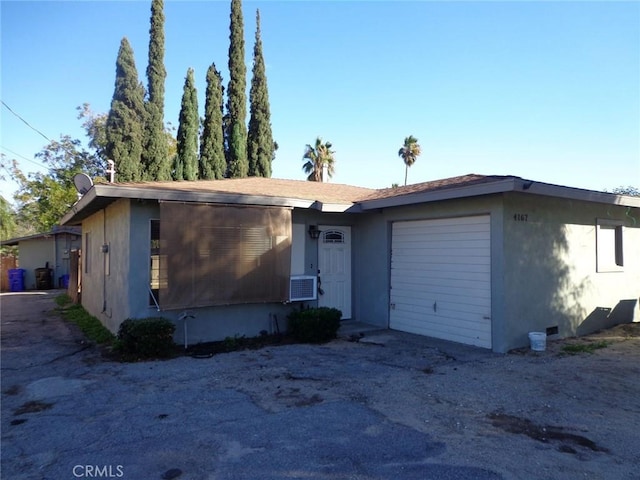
column 314, row 232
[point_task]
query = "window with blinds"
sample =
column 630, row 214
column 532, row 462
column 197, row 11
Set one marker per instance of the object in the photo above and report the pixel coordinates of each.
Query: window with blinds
column 223, row 255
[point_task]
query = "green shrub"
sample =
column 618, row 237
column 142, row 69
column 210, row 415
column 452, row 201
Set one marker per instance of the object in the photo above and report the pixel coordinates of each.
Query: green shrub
column 573, row 349
column 62, row 300
column 89, row 324
column 146, row 337
column 315, row 325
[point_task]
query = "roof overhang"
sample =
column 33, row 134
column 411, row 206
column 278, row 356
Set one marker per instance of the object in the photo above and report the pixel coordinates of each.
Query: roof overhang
column 101, row 195
column 512, row 184
column 36, row 236
column 439, row 195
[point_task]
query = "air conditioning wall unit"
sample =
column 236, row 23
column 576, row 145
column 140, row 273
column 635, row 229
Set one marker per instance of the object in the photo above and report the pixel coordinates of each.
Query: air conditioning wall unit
column 303, row 287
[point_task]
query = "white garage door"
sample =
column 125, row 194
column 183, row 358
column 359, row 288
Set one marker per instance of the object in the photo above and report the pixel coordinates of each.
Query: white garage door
column 441, row 279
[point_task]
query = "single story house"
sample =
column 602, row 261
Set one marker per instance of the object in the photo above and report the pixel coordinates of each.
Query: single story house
column 481, row 260
column 46, row 251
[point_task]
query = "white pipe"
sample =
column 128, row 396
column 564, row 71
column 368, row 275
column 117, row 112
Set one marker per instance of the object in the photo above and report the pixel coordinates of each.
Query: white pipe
column 184, row 316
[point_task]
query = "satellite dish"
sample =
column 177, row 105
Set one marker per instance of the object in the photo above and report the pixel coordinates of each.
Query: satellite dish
column 83, row 182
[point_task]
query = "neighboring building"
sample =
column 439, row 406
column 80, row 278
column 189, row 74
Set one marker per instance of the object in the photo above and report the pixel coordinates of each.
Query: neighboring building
column 481, row 260
column 49, row 251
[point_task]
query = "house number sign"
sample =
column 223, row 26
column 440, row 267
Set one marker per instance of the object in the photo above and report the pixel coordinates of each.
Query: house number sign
column 520, row 217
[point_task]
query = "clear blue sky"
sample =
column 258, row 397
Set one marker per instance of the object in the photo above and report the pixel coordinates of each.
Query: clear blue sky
column 544, row 90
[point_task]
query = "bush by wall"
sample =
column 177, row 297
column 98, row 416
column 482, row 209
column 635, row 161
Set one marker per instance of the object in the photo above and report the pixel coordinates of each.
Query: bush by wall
column 90, row 325
column 146, row 337
column 315, row 325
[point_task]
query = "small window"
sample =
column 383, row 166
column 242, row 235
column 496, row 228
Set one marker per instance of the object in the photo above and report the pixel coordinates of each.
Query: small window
column 333, row 236
column 86, row 258
column 609, row 246
column 156, row 278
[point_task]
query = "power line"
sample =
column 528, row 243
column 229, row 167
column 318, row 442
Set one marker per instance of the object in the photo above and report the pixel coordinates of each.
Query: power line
column 26, row 123
column 23, row 157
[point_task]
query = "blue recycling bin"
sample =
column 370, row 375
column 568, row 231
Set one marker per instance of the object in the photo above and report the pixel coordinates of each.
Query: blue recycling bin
column 16, row 279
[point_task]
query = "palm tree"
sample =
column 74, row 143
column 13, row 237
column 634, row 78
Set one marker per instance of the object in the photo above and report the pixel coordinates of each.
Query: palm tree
column 409, row 153
column 317, row 157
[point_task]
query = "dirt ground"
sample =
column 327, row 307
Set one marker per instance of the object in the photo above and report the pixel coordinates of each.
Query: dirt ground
column 524, row 415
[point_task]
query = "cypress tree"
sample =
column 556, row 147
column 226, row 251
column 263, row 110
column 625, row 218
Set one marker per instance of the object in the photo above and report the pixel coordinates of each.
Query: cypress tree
column 155, row 153
column 125, row 122
column 237, row 96
column 212, row 160
column 187, row 157
column 260, row 146
column 177, row 168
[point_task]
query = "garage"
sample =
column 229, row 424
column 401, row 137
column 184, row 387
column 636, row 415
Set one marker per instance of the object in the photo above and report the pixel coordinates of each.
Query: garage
column 441, row 279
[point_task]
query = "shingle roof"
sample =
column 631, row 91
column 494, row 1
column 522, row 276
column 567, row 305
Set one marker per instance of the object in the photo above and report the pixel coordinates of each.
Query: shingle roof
column 56, row 230
column 435, row 185
column 327, row 197
column 266, row 187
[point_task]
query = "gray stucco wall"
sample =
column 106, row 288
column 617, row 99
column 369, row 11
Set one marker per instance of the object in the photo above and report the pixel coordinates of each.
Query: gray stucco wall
column 37, row 252
column 105, row 274
column 542, row 269
column 373, row 256
column 123, row 292
column 550, row 268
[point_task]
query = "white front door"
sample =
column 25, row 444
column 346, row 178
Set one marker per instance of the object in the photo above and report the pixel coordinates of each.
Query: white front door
column 334, row 265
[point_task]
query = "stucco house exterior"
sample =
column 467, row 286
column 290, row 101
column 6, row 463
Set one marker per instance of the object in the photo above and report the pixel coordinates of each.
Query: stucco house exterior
column 50, row 250
column 481, row 260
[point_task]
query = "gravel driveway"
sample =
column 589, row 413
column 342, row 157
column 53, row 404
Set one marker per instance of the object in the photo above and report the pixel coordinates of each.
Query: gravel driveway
column 391, row 406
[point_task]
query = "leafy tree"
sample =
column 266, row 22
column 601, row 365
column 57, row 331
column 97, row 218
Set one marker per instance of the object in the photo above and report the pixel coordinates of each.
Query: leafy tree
column 155, row 156
column 212, row 160
column 95, row 125
column 43, row 198
column 237, row 97
column 317, row 157
column 187, row 157
column 125, row 122
column 409, row 152
column 628, row 190
column 7, row 219
column 260, row 145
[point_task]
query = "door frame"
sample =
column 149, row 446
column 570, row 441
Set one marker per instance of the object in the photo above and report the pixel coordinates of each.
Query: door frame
column 348, row 288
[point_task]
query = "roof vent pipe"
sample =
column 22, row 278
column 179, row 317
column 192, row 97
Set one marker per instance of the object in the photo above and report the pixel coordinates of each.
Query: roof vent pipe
column 111, row 171
column 325, row 172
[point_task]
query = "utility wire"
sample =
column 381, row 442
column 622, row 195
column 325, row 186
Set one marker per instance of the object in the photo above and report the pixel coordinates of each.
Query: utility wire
column 22, row 156
column 26, row 123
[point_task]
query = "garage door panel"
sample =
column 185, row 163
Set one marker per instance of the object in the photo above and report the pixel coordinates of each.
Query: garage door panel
column 446, row 270
column 443, row 226
column 428, row 287
column 446, row 263
column 466, row 263
column 450, row 253
column 439, row 278
column 431, row 284
column 473, row 307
